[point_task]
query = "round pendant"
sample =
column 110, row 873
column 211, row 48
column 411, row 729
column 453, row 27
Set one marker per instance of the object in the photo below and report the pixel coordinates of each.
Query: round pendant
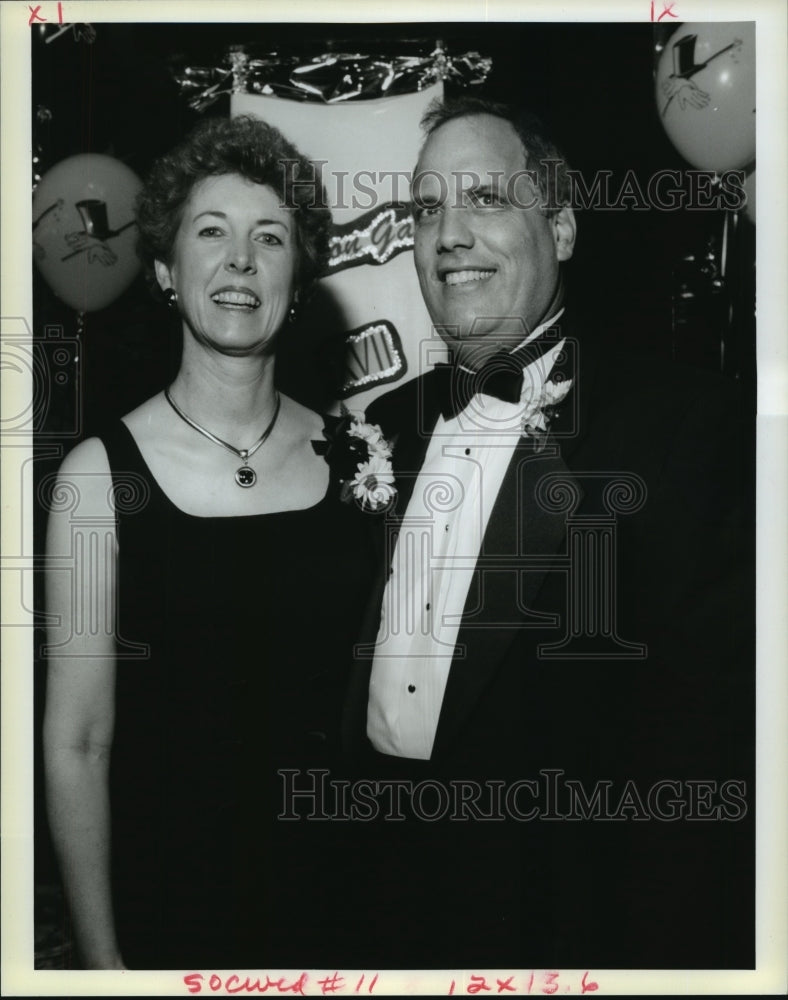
column 245, row 476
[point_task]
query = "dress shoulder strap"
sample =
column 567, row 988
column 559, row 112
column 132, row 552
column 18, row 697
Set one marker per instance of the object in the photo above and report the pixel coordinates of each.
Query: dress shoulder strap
column 122, row 451
column 131, row 478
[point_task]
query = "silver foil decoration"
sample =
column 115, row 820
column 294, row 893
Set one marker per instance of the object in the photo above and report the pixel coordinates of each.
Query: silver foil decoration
column 330, row 78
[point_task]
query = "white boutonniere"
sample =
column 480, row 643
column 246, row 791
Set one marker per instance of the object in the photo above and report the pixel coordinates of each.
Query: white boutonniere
column 541, row 411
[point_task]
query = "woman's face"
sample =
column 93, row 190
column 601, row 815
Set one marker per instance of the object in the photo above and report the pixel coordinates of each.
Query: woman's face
column 233, row 265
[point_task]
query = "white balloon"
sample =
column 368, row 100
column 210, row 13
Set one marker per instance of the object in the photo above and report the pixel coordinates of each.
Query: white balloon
column 84, row 234
column 705, row 93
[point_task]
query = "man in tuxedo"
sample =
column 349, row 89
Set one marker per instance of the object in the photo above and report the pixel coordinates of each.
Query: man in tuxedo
column 558, row 672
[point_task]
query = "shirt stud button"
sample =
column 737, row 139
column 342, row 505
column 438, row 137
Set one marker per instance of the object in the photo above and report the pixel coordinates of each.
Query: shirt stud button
column 411, row 688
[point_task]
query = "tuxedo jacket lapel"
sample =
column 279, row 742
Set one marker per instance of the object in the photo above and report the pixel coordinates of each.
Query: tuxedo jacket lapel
column 520, row 533
column 520, row 527
column 415, row 410
column 520, row 530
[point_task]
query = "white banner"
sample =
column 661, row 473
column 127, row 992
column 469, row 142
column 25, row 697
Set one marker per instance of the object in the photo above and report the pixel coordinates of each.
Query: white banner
column 368, row 311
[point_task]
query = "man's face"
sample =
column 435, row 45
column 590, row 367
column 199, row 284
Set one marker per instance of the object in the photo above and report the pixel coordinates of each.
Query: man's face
column 486, row 256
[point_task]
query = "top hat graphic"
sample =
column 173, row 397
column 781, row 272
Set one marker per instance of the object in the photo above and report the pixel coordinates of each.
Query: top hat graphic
column 94, row 218
column 684, row 57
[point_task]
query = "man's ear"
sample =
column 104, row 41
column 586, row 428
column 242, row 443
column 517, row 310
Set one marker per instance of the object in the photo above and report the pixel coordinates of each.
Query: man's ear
column 163, row 275
column 564, row 232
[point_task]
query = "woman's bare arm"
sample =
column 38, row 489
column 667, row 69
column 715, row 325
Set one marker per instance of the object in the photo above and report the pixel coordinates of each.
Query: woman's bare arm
column 79, row 715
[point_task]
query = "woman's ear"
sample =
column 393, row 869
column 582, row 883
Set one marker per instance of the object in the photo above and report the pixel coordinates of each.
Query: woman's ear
column 564, row 232
column 163, row 275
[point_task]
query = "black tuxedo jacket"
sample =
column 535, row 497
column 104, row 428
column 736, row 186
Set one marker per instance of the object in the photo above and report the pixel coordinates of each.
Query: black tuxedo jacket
column 606, row 650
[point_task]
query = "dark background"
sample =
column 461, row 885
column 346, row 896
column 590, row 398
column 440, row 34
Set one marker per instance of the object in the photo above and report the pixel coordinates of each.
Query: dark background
column 591, row 84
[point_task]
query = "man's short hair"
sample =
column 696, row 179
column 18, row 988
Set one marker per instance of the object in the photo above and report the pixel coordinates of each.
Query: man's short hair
column 541, row 154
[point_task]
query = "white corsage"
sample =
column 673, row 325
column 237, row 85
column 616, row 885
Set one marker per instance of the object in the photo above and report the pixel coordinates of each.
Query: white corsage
column 373, row 484
column 361, row 457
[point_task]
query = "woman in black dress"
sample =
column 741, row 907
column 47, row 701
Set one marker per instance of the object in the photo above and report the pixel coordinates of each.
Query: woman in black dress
column 220, row 578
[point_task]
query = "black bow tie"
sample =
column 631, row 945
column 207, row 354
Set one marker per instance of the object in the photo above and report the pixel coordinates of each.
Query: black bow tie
column 500, row 376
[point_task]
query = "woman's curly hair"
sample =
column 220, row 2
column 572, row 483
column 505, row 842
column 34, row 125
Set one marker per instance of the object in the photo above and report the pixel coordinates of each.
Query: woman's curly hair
column 257, row 151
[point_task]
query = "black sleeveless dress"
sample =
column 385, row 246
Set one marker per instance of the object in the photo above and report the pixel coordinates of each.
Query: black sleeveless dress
column 234, row 642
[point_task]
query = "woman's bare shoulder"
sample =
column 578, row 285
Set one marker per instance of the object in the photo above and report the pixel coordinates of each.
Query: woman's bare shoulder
column 91, row 456
column 86, row 468
column 84, row 484
column 88, row 457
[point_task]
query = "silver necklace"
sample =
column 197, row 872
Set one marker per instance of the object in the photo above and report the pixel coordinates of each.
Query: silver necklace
column 244, row 476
